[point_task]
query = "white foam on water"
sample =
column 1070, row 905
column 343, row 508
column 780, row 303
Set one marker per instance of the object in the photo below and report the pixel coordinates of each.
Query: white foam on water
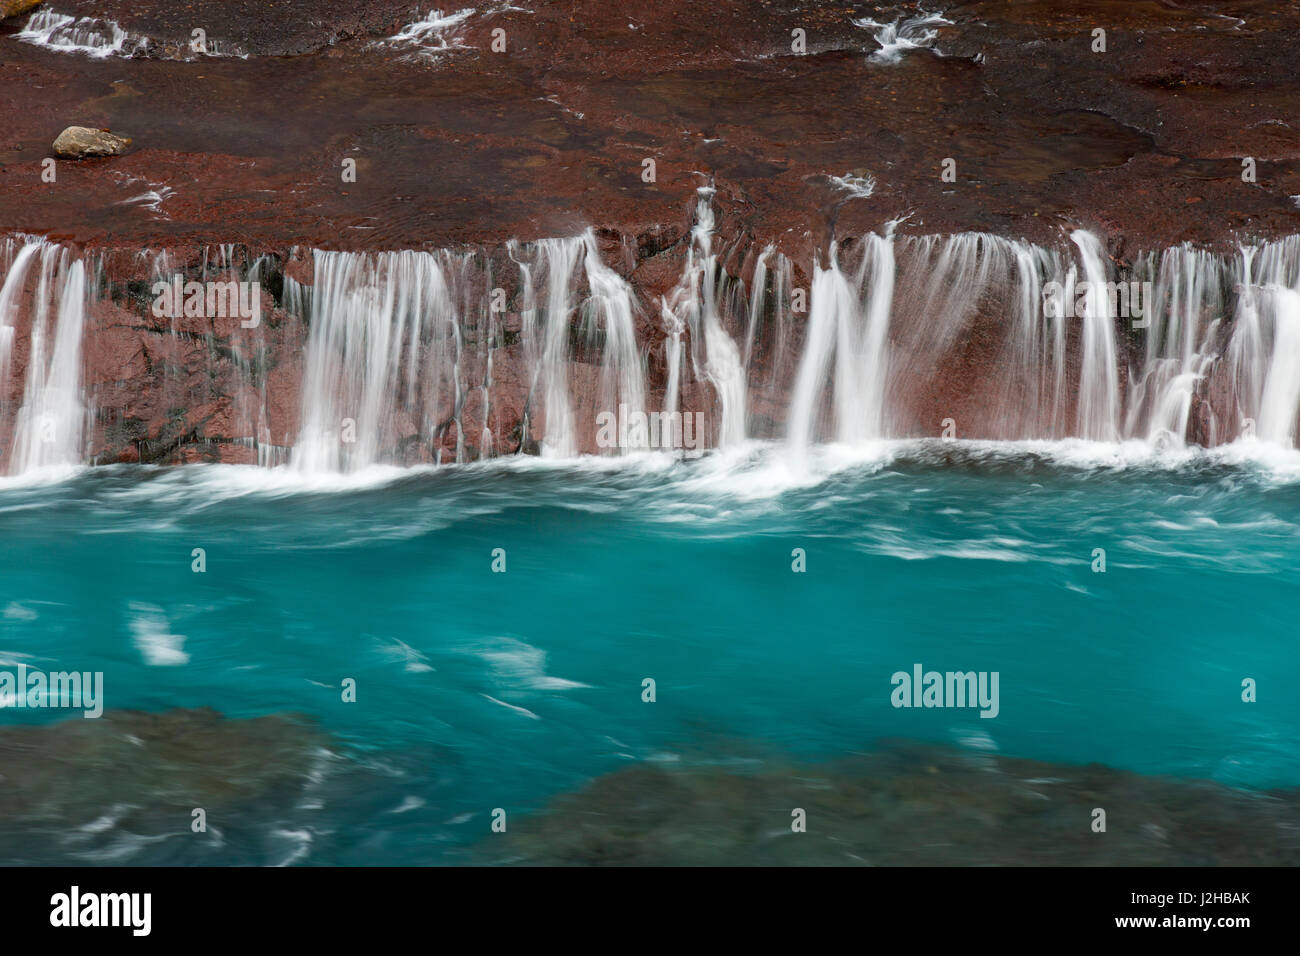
column 899, row 36
column 524, row 711
column 153, row 638
column 416, row 662
column 408, row 804
column 857, row 187
column 88, row 36
column 151, row 199
column 433, row 35
column 517, row 665
column 17, row 612
column 299, row 845
column 100, row 38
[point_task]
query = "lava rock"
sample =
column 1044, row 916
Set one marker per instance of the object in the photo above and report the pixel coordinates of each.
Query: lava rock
column 78, row 142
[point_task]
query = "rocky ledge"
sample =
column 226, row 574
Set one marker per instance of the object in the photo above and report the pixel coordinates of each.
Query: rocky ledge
column 454, row 142
column 292, row 125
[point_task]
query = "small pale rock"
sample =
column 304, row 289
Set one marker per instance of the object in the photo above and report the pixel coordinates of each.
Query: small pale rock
column 78, row 142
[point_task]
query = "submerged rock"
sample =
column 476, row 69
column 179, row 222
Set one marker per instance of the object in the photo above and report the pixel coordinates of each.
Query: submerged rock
column 274, row 790
column 908, row 804
column 79, row 142
column 101, row 791
column 9, row 8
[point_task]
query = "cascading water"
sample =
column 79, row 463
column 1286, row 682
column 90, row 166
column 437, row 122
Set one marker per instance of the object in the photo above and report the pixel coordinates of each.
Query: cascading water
column 1099, row 371
column 99, row 39
column 696, row 304
column 1264, row 274
column 849, row 321
column 381, row 360
column 1032, row 397
column 51, row 424
column 611, row 312
column 608, row 317
column 1281, row 399
column 757, row 302
column 805, row 365
column 409, row 357
column 1179, row 341
column 85, row 35
column 895, row 322
column 434, row 34
column 11, row 293
column 899, row 36
column 397, row 352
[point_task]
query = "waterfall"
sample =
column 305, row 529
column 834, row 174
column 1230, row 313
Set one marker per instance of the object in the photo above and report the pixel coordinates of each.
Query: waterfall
column 848, row 321
column 1246, row 354
column 51, row 425
column 673, row 328
column 757, row 302
column 696, row 302
column 1032, row 393
column 872, row 352
column 831, row 296
column 11, row 293
column 399, row 361
column 1179, row 340
column 546, row 334
column 611, row 311
column 1099, row 371
column 381, row 358
column 1262, row 323
column 1281, row 399
column 777, row 327
column 437, row 356
column 607, row 323
column 899, row 324
column 65, row 34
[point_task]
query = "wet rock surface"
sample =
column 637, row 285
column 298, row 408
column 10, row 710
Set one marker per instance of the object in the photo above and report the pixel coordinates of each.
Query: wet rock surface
column 310, row 129
column 455, row 143
column 908, row 804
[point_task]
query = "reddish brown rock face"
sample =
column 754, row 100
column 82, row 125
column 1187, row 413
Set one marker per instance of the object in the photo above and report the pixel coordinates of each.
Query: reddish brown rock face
column 469, row 147
column 1144, row 140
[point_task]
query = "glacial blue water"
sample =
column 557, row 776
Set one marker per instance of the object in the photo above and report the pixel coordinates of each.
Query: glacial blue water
column 478, row 689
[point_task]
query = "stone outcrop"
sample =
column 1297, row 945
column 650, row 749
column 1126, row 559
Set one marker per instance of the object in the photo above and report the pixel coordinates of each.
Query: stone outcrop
column 1143, row 143
column 383, row 148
